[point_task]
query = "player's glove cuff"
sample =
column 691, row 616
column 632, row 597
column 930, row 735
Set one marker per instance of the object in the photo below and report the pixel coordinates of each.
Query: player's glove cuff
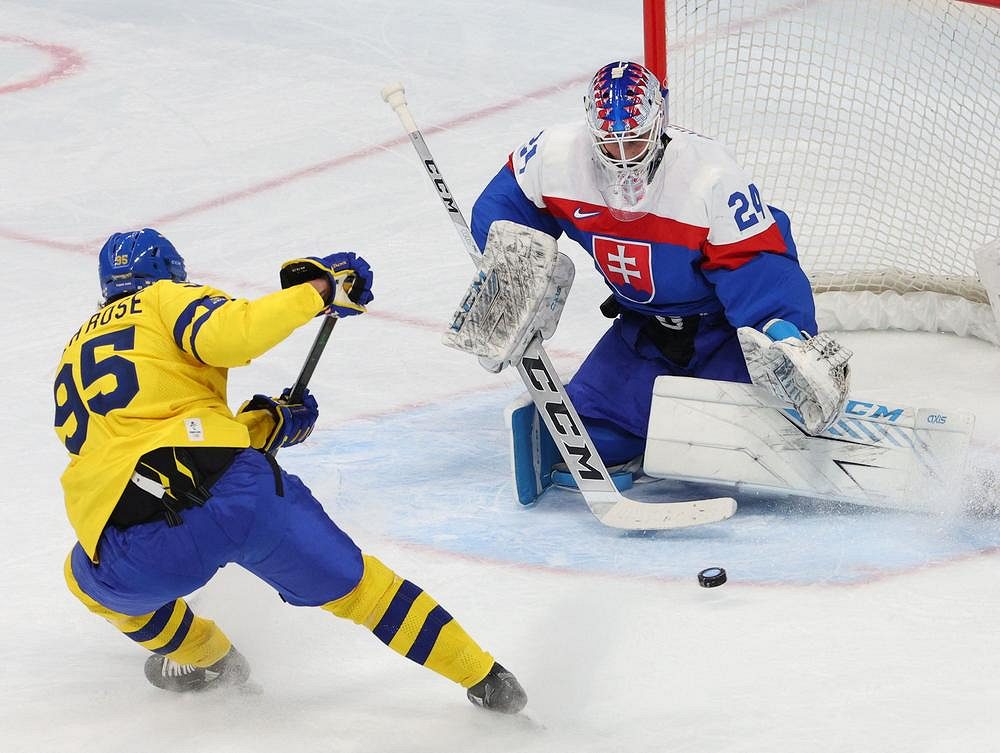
column 298, row 271
column 350, row 278
column 291, row 423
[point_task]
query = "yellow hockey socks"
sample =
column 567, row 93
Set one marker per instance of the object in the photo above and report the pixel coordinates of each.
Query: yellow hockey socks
column 405, row 618
column 173, row 630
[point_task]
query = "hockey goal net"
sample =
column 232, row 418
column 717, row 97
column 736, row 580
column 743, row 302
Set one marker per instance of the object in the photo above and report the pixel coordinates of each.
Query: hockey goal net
column 875, row 124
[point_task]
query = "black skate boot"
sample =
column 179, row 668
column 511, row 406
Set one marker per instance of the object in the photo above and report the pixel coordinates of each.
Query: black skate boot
column 232, row 669
column 499, row 691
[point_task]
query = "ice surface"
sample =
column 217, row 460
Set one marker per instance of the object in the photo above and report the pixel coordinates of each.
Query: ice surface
column 250, row 133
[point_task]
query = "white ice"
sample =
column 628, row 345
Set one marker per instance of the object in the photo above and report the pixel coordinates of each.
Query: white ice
column 250, row 133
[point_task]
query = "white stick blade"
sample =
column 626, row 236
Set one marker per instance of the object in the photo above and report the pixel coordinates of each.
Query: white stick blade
column 644, row 516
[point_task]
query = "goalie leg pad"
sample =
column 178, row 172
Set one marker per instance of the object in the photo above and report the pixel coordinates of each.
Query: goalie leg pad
column 739, row 435
column 535, row 460
column 617, row 447
column 623, row 475
column 532, row 450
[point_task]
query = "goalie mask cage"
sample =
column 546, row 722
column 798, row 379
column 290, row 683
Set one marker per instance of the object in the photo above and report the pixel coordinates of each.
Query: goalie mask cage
column 875, row 124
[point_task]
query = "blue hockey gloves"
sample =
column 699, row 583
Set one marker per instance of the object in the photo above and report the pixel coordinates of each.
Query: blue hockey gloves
column 349, row 275
column 290, row 423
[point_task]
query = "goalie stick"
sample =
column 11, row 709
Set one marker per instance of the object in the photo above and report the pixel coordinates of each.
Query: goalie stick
column 575, row 446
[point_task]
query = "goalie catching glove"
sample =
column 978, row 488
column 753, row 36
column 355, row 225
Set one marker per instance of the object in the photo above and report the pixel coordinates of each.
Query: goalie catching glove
column 349, row 275
column 519, row 292
column 274, row 423
column 811, row 373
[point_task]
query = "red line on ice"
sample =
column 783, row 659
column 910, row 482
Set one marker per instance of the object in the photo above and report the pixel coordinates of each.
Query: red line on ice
column 88, row 246
column 65, row 62
column 68, row 61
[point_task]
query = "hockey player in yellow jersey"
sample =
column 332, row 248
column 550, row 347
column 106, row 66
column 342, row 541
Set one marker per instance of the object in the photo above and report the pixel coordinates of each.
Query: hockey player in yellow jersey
column 165, row 484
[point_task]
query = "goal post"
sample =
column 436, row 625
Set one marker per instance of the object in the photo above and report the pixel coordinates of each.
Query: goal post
column 874, row 125
column 655, row 37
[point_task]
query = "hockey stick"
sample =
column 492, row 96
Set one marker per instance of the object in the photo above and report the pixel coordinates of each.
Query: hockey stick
column 549, row 395
column 298, row 390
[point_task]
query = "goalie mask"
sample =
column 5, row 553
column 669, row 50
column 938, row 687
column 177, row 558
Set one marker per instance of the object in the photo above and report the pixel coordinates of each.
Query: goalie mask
column 625, row 113
column 131, row 261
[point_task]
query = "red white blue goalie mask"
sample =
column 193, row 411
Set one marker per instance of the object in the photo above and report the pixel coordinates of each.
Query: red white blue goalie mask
column 625, row 113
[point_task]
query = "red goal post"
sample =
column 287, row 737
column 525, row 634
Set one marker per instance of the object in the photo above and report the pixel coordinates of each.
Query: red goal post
column 874, row 124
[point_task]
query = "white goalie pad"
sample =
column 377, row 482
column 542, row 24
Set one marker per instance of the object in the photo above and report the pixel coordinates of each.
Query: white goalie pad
column 519, row 291
column 739, row 435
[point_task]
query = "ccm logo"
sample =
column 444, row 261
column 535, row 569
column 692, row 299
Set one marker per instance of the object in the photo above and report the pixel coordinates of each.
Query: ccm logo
column 937, row 418
column 442, row 187
column 564, row 428
column 873, row 410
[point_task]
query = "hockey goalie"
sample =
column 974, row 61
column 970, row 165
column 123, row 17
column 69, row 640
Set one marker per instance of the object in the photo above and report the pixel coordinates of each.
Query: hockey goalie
column 713, row 369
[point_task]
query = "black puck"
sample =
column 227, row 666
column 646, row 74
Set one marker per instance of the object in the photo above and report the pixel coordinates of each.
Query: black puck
column 711, row 577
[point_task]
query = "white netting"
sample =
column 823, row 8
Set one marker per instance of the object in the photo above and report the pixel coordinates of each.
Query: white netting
column 873, row 123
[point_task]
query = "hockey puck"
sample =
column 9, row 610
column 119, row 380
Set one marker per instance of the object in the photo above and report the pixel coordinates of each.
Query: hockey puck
column 711, row 577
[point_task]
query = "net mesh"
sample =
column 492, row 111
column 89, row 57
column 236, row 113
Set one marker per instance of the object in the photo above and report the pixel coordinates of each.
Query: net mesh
column 873, row 123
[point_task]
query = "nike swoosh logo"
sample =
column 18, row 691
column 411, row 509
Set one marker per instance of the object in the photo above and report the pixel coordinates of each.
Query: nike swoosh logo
column 579, row 214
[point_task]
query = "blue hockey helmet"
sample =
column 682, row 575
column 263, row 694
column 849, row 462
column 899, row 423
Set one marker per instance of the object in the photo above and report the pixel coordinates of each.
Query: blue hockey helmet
column 131, row 261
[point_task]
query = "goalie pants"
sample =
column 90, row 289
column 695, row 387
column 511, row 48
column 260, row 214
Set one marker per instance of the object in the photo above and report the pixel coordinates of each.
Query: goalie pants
column 268, row 522
column 613, row 388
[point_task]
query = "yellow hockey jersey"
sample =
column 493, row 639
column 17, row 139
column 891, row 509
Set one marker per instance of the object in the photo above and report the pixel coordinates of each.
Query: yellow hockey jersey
column 149, row 371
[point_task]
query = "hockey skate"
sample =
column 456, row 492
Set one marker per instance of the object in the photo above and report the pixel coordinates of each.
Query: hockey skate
column 231, row 670
column 624, row 475
column 499, row 691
